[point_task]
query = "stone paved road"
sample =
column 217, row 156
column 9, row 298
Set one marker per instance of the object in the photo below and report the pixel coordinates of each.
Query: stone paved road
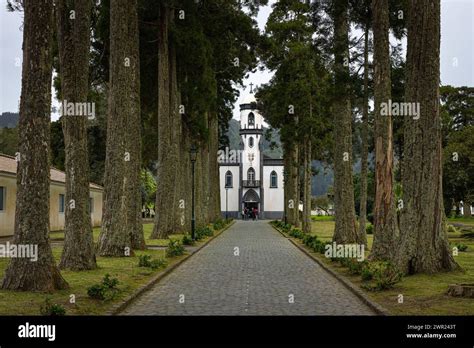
column 260, row 281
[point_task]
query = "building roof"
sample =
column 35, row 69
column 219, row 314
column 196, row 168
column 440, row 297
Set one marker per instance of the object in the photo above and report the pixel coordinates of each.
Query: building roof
column 248, row 99
column 8, row 165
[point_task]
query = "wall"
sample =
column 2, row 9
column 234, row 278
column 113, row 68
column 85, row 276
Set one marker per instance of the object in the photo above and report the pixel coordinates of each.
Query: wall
column 56, row 219
column 7, row 216
column 274, row 197
column 233, row 193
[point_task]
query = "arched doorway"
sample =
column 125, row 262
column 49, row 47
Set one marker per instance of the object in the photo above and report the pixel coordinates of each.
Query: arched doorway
column 251, row 200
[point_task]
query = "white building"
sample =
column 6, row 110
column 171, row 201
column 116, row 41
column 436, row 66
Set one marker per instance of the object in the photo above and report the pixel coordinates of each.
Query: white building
column 247, row 177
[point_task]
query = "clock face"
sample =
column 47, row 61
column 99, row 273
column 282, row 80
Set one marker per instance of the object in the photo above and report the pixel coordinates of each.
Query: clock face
column 251, row 157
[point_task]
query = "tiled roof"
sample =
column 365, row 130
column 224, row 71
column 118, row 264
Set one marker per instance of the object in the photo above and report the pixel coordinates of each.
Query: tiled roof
column 8, row 165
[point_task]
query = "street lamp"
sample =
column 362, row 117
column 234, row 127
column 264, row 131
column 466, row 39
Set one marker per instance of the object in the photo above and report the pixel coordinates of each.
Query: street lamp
column 285, row 180
column 226, row 202
column 193, row 156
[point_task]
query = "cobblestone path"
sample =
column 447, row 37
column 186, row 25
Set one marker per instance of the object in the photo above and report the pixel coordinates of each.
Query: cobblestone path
column 269, row 276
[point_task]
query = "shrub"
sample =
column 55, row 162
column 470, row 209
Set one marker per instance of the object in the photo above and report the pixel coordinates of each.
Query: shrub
column 366, row 273
column 146, row 261
column 451, row 228
column 356, row 267
column 105, row 290
column 296, row 233
column 461, row 247
column 158, row 263
column 369, row 228
column 52, row 309
column 175, row 248
column 187, row 240
column 219, row 224
column 384, row 275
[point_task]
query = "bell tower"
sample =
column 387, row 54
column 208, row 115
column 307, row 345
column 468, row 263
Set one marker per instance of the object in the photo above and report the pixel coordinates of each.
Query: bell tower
column 251, row 139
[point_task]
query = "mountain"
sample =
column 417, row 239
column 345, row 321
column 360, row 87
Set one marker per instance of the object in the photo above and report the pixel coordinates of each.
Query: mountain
column 9, row 119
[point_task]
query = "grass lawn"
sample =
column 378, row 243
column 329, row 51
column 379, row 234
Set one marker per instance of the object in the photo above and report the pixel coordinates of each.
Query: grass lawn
column 147, row 230
column 462, row 220
column 423, row 294
column 125, row 269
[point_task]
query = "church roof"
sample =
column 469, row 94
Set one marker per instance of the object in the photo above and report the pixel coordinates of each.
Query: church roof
column 8, row 165
column 248, row 99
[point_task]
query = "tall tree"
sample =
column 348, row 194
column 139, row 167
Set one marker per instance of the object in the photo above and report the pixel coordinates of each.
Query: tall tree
column 115, row 237
column 385, row 216
column 345, row 227
column 424, row 243
column 32, row 200
column 133, row 136
column 73, row 23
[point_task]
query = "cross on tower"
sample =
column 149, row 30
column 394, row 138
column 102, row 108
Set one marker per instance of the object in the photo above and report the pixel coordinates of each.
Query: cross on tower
column 251, row 85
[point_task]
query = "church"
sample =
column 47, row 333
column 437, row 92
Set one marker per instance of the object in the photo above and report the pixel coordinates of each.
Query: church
column 248, row 178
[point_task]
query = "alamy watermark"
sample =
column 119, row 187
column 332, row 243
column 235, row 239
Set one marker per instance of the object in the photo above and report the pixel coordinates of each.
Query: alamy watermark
column 77, row 109
column 400, row 109
column 27, row 251
column 335, row 250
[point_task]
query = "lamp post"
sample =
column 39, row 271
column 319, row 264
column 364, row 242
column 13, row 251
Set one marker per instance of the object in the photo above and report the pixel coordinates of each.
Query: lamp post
column 193, row 155
column 226, row 203
column 285, row 178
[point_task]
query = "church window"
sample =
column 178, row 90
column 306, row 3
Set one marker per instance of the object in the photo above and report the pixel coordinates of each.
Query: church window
column 228, row 179
column 251, row 174
column 251, row 120
column 251, row 142
column 273, row 179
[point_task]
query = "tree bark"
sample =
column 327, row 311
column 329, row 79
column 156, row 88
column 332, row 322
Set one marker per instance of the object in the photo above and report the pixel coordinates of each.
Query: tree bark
column 365, row 142
column 32, row 200
column 214, row 192
column 164, row 203
column 424, row 243
column 293, row 185
column 307, row 186
column 385, row 215
column 466, row 209
column 133, row 133
column 74, row 42
column 115, row 237
column 345, row 226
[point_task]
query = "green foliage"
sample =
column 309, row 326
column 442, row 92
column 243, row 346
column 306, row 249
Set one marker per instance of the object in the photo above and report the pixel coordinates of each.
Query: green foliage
column 104, row 291
column 203, row 232
column 219, row 224
column 452, row 229
column 382, row 274
column 461, row 247
column 175, row 248
column 369, row 228
column 52, row 309
column 147, row 188
column 146, row 261
column 187, row 240
column 296, row 233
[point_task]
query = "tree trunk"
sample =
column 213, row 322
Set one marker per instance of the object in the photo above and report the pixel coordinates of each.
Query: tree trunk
column 115, row 237
column 345, row 226
column 424, row 243
column 466, row 209
column 365, row 142
column 32, row 199
column 385, row 215
column 134, row 166
column 214, row 192
column 165, row 178
column 307, row 187
column 74, row 41
column 293, row 187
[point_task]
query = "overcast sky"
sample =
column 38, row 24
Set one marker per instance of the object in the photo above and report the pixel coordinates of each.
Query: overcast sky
column 457, row 50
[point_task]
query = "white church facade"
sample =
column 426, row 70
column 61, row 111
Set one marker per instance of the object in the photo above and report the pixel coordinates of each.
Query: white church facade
column 248, row 178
